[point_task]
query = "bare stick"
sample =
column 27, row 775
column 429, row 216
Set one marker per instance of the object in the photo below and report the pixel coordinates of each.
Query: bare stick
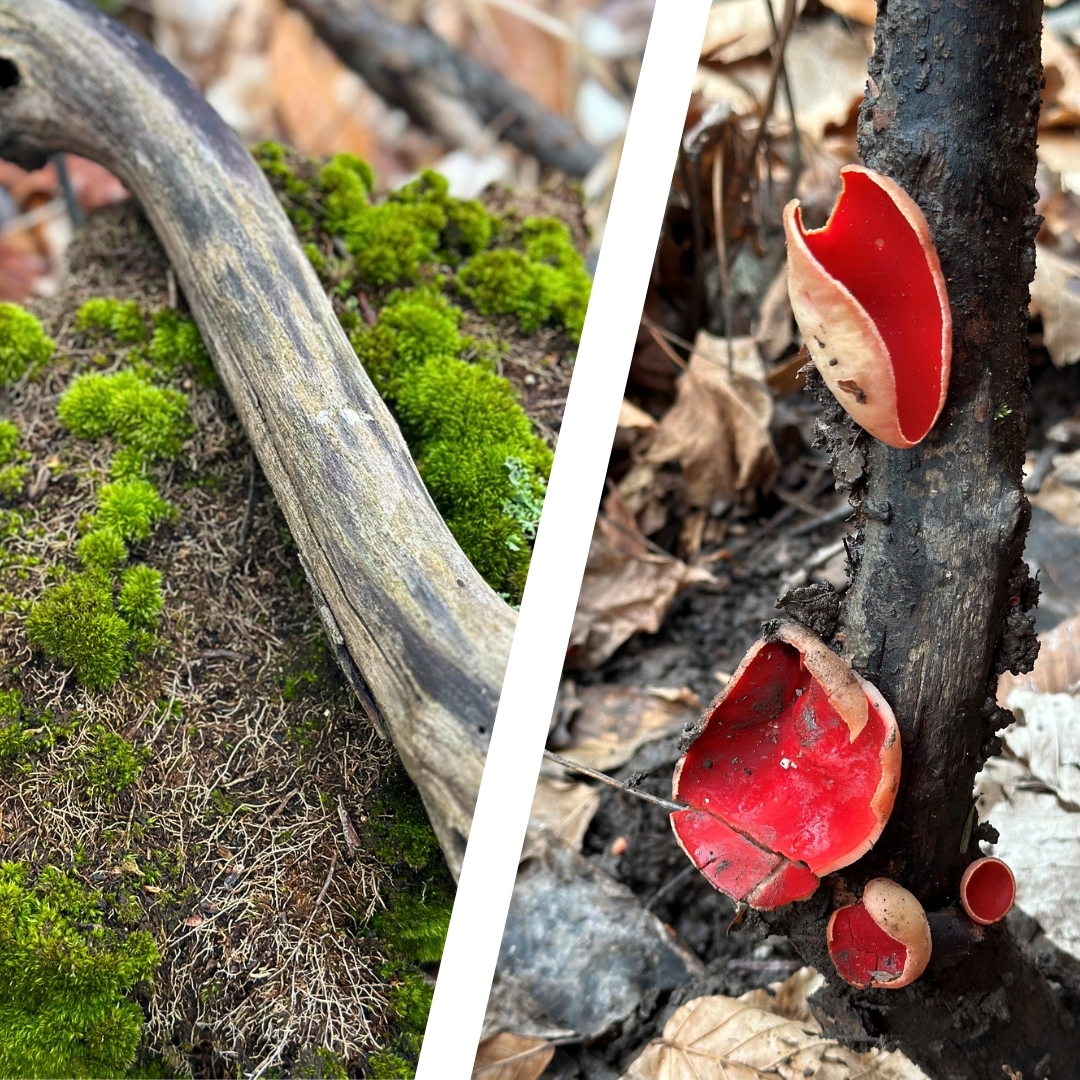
column 594, row 774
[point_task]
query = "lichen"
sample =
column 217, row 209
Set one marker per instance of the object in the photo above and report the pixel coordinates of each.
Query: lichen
column 66, row 1009
column 23, row 343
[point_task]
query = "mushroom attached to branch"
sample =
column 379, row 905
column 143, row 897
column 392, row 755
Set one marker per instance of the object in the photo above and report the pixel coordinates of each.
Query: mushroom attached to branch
column 987, row 891
column 793, row 775
column 882, row 941
column 869, row 297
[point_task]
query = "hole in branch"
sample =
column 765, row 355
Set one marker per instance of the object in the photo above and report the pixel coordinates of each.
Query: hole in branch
column 9, row 74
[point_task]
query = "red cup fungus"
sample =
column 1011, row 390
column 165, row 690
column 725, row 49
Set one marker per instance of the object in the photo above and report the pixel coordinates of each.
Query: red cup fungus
column 869, row 296
column 882, row 941
column 987, row 891
column 793, row 775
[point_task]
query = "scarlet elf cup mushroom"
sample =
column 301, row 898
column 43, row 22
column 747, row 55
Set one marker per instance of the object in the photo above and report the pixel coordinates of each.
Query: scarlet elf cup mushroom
column 793, row 774
column 869, row 296
column 882, row 941
column 987, row 891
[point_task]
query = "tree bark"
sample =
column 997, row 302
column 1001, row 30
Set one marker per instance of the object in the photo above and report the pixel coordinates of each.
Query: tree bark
column 936, row 609
column 442, row 89
column 415, row 627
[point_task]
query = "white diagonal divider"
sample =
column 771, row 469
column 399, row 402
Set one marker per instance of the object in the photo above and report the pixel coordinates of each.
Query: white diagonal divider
column 562, row 543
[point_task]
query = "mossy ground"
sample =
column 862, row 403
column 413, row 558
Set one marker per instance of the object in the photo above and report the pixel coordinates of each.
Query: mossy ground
column 200, row 798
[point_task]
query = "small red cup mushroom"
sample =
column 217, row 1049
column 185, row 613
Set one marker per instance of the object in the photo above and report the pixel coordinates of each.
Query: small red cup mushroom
column 793, row 775
column 882, row 941
column 987, row 891
column 869, row 296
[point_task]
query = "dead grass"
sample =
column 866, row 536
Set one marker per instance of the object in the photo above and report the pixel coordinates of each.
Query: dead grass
column 229, row 846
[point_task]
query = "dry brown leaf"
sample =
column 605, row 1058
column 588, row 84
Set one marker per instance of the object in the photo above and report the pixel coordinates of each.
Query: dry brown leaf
column 512, row 1057
column 320, row 102
column 1057, row 670
column 532, row 59
column 864, row 11
column 627, row 588
column 718, row 431
column 740, row 28
column 1059, row 151
column 562, row 810
column 634, row 425
column 826, row 63
column 1061, row 95
column 774, row 333
column 719, row 1036
column 1061, row 500
column 745, row 358
column 719, row 88
column 1055, row 295
column 613, row 721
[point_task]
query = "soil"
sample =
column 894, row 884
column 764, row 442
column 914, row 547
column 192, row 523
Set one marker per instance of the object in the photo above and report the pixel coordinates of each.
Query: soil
column 706, row 631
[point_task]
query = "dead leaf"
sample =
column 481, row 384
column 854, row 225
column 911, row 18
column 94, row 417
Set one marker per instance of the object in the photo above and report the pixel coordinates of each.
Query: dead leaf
column 1061, row 500
column 740, row 28
column 1061, row 94
column 719, row 88
column 1059, row 151
column 634, row 425
column 533, row 59
column 1055, row 295
column 627, row 588
column 1048, row 739
column 718, row 431
column 719, row 1036
column 745, row 358
column 562, row 810
column 612, row 722
column 864, row 11
column 774, row 333
column 321, row 104
column 512, row 1057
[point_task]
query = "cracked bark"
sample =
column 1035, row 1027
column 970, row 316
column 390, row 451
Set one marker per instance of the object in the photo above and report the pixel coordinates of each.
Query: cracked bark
column 936, row 609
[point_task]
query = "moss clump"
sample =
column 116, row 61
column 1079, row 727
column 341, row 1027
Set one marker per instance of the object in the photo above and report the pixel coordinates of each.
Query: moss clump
column 65, row 1010
column 103, row 549
column 76, row 624
column 130, row 509
column 15, row 739
column 121, row 319
column 109, row 764
column 9, row 441
column 140, row 600
column 23, row 343
column 176, row 343
column 150, row 422
column 416, row 926
column 473, row 444
column 545, row 281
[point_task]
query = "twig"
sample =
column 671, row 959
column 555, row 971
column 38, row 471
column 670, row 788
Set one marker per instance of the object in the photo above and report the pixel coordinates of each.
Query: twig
column 774, row 74
column 665, row 348
column 664, row 332
column 249, row 510
column 594, row 774
column 720, row 228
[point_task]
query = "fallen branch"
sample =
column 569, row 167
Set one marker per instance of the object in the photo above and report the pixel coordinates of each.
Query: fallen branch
column 442, row 89
column 420, row 635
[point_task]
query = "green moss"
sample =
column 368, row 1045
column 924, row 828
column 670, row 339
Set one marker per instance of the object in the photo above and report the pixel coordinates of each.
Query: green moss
column 176, row 343
column 9, row 441
column 140, row 600
column 387, row 1065
column 76, row 624
column 65, row 1010
column 545, row 282
column 102, row 548
column 23, row 343
column 150, row 422
column 15, row 739
column 121, row 319
column 131, row 509
column 12, row 481
column 415, row 926
column 109, row 764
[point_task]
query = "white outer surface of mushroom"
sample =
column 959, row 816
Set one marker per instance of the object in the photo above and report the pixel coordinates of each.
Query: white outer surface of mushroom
column 901, row 916
column 841, row 337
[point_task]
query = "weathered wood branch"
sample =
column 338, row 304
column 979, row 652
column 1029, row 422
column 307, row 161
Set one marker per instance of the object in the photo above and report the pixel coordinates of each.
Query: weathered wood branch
column 415, row 626
column 937, row 606
column 441, row 88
